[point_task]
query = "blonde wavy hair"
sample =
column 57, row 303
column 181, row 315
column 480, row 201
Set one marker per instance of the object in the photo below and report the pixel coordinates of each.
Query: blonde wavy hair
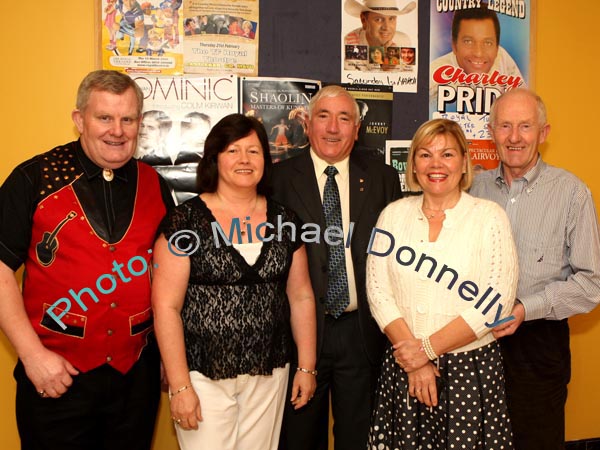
column 425, row 134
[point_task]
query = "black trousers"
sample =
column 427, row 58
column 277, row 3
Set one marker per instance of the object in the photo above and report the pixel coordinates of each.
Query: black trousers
column 102, row 410
column 537, row 362
column 347, row 377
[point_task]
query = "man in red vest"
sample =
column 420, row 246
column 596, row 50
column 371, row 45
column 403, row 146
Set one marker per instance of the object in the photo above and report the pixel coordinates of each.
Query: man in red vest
column 82, row 219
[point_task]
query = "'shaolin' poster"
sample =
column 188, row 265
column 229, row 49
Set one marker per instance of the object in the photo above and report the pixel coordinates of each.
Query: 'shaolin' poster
column 281, row 104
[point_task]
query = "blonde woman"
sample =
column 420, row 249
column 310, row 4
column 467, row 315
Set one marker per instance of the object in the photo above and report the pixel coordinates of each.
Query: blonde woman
column 442, row 271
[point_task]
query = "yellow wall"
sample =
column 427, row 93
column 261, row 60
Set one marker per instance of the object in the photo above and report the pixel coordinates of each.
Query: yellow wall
column 566, row 65
column 44, row 63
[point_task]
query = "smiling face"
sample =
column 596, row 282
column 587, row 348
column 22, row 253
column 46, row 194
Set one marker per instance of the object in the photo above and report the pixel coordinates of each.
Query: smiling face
column 241, row 164
column 377, row 56
column 190, row 24
column 439, row 166
column 517, row 133
column 109, row 127
column 379, row 29
column 476, row 46
column 332, row 128
column 408, row 55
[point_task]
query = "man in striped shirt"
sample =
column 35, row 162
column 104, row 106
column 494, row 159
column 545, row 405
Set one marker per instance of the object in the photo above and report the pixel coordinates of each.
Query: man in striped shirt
column 556, row 232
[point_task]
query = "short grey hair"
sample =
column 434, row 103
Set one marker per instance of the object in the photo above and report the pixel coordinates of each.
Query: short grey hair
column 333, row 91
column 541, row 107
column 107, row 81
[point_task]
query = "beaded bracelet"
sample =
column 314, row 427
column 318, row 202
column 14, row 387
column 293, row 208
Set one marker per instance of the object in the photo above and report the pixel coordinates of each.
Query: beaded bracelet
column 179, row 391
column 310, row 372
column 431, row 355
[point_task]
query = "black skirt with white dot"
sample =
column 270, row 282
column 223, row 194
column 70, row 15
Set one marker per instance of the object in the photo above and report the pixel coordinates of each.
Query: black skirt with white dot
column 471, row 412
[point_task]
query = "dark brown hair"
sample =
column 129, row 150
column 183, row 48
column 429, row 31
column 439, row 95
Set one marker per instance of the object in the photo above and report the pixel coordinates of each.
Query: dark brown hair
column 227, row 130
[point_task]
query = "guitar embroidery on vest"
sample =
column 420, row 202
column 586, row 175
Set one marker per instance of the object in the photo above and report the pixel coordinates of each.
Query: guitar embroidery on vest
column 45, row 250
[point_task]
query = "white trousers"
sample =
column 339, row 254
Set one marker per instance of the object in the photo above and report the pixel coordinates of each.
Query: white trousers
column 242, row 413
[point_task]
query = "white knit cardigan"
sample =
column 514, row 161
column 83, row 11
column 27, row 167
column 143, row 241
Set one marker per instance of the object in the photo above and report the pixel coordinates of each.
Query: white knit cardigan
column 475, row 242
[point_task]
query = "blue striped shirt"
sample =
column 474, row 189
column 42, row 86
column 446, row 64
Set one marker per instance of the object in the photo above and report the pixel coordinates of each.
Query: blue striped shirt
column 556, row 232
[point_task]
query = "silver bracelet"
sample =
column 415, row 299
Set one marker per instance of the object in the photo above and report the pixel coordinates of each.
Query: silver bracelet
column 310, row 372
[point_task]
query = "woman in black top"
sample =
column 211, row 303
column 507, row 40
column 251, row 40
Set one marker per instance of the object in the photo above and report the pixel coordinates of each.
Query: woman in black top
column 230, row 281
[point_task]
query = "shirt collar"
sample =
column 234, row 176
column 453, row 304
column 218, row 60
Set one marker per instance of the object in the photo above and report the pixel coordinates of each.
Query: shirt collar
column 92, row 171
column 320, row 165
column 530, row 177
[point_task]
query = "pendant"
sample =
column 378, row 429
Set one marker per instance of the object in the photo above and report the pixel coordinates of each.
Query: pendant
column 108, row 174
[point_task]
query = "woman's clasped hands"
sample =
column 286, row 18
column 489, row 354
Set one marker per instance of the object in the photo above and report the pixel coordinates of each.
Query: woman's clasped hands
column 411, row 358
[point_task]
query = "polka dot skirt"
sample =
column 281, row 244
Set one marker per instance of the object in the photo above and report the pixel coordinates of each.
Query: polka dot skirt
column 471, row 412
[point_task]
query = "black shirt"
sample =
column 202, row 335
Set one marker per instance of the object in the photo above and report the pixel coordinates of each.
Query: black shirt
column 107, row 204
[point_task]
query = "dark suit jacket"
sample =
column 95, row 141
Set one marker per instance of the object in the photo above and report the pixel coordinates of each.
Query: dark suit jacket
column 372, row 186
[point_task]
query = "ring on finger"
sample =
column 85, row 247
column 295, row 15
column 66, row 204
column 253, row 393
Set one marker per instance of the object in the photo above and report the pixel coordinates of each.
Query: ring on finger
column 42, row 393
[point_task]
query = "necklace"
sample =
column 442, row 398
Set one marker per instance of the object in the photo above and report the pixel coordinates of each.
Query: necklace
column 249, row 216
column 434, row 214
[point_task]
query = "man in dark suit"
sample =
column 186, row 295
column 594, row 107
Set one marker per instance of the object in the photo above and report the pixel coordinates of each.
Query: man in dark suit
column 349, row 343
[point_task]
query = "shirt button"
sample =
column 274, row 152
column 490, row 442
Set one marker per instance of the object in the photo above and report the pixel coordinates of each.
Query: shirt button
column 112, row 248
column 113, row 305
column 421, row 309
column 110, row 332
column 108, row 358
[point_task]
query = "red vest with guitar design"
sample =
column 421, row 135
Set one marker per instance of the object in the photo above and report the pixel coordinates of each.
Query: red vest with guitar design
column 68, row 260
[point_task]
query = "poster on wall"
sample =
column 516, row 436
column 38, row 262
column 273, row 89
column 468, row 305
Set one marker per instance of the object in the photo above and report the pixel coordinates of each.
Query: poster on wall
column 376, row 109
column 379, row 43
column 478, row 51
column 281, row 104
column 178, row 114
column 142, row 37
column 396, row 155
column 221, row 36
